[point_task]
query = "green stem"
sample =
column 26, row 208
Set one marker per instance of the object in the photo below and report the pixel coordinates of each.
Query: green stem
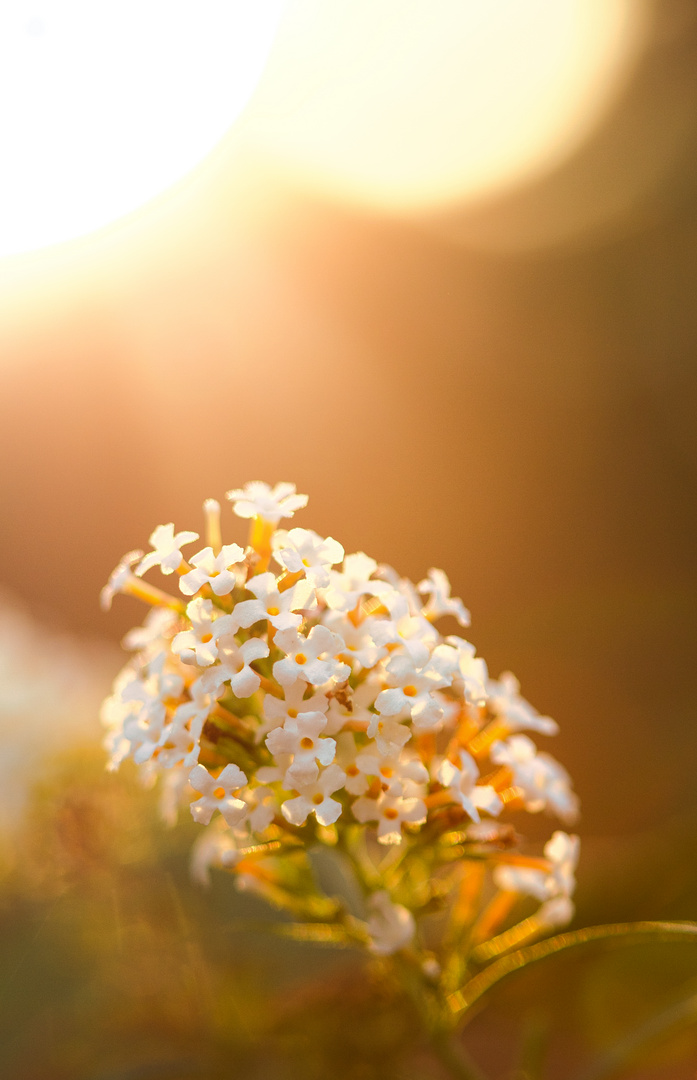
column 462, row 1000
column 431, row 1012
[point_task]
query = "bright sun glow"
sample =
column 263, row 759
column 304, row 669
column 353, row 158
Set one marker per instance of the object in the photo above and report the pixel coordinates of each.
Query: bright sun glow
column 106, row 103
column 409, row 103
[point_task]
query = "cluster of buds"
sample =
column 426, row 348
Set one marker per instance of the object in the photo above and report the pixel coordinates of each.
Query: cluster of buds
column 315, row 706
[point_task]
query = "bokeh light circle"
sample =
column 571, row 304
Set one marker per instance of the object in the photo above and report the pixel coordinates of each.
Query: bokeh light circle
column 408, row 104
column 104, row 105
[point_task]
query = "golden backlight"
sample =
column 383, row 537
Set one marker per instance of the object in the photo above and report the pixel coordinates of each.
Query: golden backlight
column 406, row 104
column 105, row 104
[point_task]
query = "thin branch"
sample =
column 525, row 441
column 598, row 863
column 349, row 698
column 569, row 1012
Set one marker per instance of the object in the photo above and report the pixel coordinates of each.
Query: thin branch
column 622, row 933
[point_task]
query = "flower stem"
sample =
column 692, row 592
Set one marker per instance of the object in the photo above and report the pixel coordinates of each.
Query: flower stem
column 453, row 1056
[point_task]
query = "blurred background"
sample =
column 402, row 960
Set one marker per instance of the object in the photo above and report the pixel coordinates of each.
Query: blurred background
column 438, row 269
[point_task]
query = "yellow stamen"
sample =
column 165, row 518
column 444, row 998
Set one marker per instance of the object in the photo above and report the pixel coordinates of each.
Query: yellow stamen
column 219, row 793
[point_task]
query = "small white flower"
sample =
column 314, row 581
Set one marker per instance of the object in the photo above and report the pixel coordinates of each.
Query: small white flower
column 470, row 669
column 390, row 811
column 346, row 752
column 389, row 733
column 413, row 633
column 198, row 645
column 217, row 794
column 398, row 774
column 301, row 738
column 278, row 710
column 216, row 846
column 542, row 780
column 153, row 632
column 173, row 794
column 118, row 578
column 391, row 926
column 410, row 692
column 562, row 851
column 271, row 604
column 167, row 554
column 234, row 666
column 216, row 571
column 461, row 780
column 152, row 692
column 262, row 808
column 347, row 586
column 437, row 587
column 505, row 701
column 312, row 658
column 360, row 650
column 302, row 550
column 257, row 499
column 557, row 912
column 179, row 742
column 315, row 799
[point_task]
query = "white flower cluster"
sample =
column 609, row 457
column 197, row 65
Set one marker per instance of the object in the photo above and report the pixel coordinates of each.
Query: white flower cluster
column 320, row 692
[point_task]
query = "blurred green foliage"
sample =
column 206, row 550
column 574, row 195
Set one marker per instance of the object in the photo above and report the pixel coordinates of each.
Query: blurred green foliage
column 114, row 965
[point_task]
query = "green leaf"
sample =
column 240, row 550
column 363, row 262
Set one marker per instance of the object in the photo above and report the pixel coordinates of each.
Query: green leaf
column 461, row 1001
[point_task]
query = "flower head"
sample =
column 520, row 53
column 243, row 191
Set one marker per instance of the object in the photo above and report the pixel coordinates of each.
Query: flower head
column 318, row 704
